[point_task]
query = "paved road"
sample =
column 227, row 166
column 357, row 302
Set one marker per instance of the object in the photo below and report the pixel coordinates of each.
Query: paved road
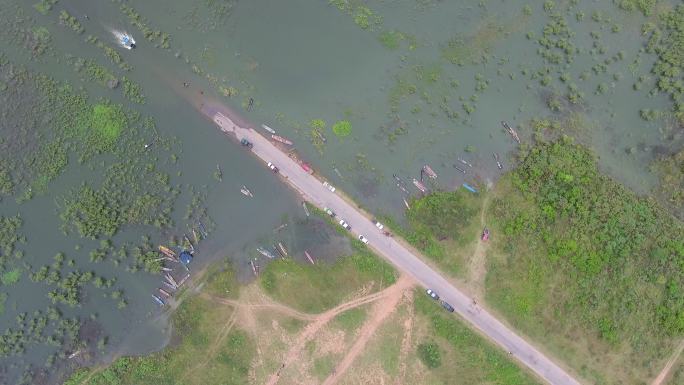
column 313, row 190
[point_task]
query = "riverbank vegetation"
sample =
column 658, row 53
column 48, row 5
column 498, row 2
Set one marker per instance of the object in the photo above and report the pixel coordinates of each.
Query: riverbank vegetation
column 442, row 225
column 225, row 357
column 594, row 265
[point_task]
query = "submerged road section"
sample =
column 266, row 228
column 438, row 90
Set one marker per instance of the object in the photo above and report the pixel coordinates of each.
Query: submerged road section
column 406, row 260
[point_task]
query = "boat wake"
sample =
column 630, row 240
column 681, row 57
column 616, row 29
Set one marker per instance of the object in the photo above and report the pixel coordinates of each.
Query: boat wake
column 123, row 38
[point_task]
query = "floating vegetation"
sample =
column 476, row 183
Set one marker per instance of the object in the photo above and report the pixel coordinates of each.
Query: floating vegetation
column 392, row 40
column 132, row 91
column 161, row 38
column 94, row 71
column 667, row 41
column 40, row 40
column 363, row 16
column 67, row 20
column 110, row 52
column 130, row 194
column 44, row 6
column 210, row 14
column 342, row 128
column 9, row 236
column 317, row 127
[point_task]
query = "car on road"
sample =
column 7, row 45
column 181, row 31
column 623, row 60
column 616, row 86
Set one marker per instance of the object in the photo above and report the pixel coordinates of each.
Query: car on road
column 329, row 186
column 329, row 212
column 363, row 239
column 377, row 224
column 447, row 307
column 345, row 224
column 272, row 167
column 432, row 294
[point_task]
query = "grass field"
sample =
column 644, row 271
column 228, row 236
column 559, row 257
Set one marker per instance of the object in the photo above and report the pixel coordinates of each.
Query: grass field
column 316, row 288
column 463, row 357
column 585, row 267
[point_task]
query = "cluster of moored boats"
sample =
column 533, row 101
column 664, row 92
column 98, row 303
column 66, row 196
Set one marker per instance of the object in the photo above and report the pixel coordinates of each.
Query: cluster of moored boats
column 275, row 251
column 177, row 260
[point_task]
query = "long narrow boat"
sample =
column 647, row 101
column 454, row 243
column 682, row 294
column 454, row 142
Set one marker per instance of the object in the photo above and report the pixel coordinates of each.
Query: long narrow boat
column 170, row 286
column 511, row 131
column 254, row 269
column 164, row 268
column 282, row 249
column 194, row 235
column 498, row 164
column 428, row 170
column 245, row 191
column 309, row 257
column 420, row 186
column 182, row 281
column 189, row 244
column 470, row 188
column 265, row 253
column 158, row 300
column 406, row 204
column 459, row 169
column 465, row 162
column 267, row 128
column 170, row 279
column 219, row 173
column 164, row 293
column 306, row 209
column 281, row 140
column 168, row 252
column 202, row 229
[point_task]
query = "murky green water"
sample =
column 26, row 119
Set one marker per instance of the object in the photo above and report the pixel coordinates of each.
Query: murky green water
column 306, row 59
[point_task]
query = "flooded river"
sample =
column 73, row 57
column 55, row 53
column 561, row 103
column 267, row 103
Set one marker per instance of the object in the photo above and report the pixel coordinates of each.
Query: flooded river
column 419, row 82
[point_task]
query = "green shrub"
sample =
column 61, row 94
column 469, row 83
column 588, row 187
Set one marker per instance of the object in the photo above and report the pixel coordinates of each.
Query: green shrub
column 429, row 354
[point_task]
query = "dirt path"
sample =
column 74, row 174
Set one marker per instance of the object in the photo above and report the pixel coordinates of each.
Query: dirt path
column 381, row 311
column 666, row 370
column 322, row 319
column 267, row 304
column 478, row 263
column 406, row 340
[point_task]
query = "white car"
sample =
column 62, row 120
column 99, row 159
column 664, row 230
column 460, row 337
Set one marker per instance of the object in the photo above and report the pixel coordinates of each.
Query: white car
column 329, row 212
column 272, row 167
column 432, row 294
column 363, row 239
column 378, row 224
column 345, row 224
column 329, row 186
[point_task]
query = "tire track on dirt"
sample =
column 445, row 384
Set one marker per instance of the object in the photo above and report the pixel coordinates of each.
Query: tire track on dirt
column 381, row 312
column 322, row 319
column 666, row 370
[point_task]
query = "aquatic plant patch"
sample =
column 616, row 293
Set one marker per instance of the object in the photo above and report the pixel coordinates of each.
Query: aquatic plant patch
column 342, row 128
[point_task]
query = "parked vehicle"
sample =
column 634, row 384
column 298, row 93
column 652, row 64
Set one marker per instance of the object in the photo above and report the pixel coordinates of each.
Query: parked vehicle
column 246, row 143
column 432, row 294
column 329, row 186
column 329, row 212
column 345, row 224
column 363, row 239
column 447, row 307
column 273, row 167
column 378, row 224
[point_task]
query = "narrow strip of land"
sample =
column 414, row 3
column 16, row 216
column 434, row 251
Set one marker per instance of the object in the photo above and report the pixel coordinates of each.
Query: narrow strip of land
column 406, row 260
